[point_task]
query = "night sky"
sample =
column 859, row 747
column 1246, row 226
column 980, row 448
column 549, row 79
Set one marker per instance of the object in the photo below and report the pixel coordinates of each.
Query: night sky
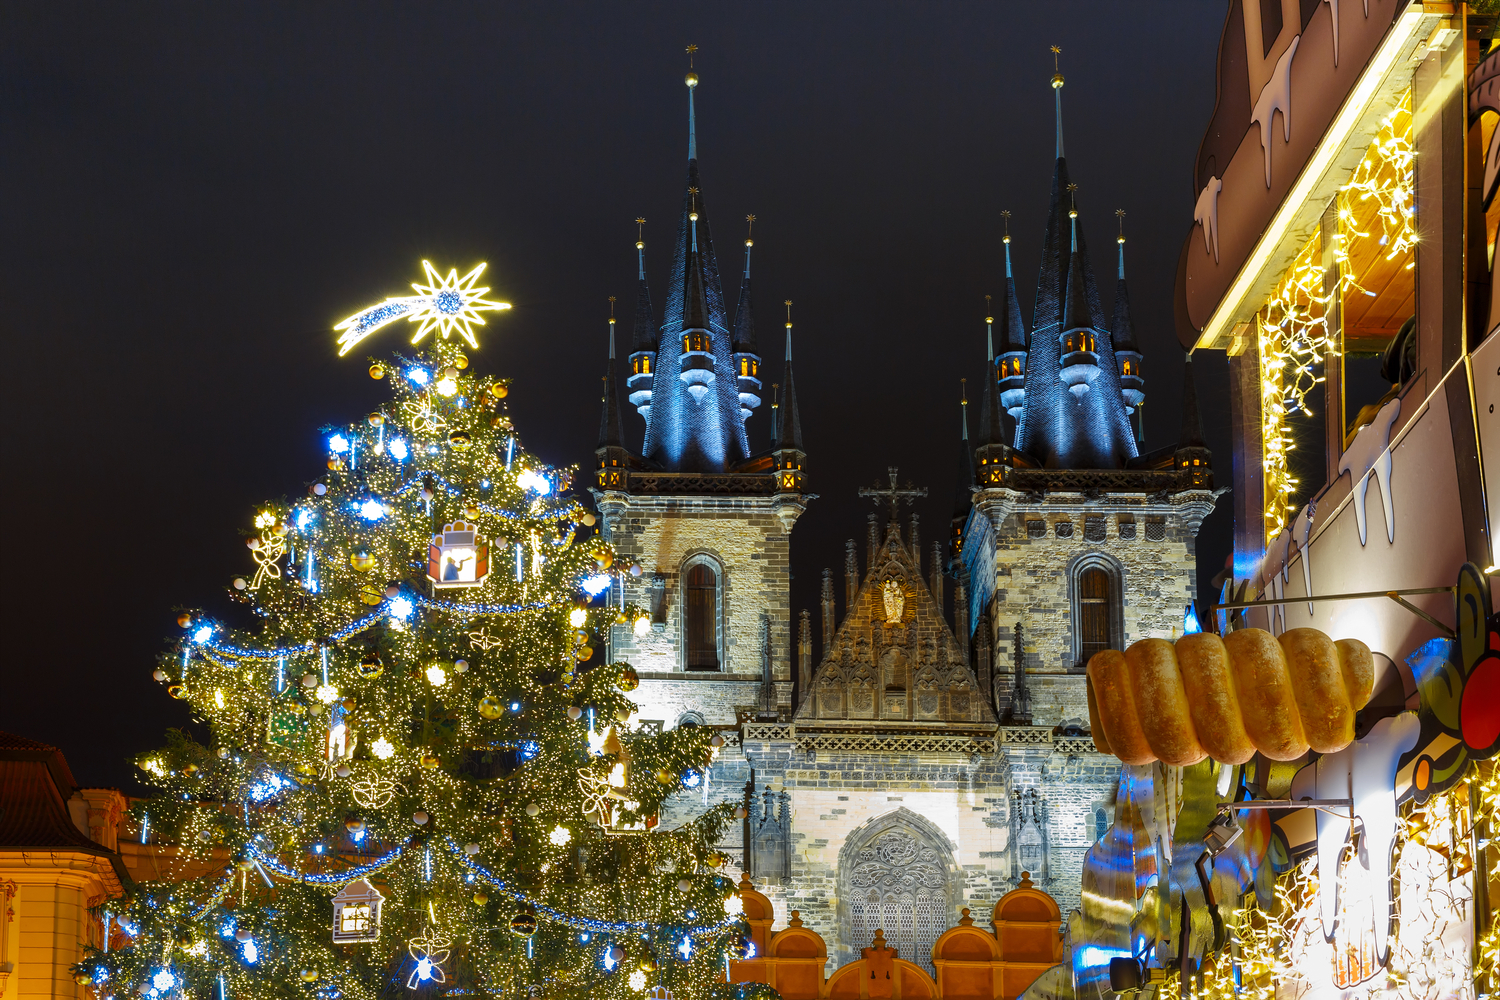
column 192, row 195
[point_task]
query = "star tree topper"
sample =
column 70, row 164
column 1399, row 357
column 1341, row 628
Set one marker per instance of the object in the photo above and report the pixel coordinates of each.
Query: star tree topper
column 448, row 305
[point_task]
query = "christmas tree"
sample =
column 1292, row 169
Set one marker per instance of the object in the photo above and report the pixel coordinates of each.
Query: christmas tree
column 421, row 777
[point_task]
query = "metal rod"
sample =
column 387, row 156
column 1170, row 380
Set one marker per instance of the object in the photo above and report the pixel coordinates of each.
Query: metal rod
column 1392, row 594
column 1443, row 629
column 1327, row 805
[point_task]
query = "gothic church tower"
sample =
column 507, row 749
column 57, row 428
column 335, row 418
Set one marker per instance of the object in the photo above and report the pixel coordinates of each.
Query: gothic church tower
column 706, row 517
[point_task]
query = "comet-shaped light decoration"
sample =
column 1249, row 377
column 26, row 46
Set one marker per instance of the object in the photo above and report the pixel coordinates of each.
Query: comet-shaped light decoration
column 444, row 304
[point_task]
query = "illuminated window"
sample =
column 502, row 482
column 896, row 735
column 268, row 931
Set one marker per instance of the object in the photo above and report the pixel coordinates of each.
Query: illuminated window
column 695, row 341
column 354, row 919
column 642, row 365
column 700, row 615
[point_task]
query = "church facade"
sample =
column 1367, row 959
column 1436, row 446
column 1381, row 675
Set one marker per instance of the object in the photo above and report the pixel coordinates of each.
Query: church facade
column 923, row 761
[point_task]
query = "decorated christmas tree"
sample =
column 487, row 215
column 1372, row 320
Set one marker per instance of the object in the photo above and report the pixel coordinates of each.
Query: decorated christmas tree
column 421, row 775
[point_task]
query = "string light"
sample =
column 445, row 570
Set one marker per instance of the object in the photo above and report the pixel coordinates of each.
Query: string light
column 1292, row 327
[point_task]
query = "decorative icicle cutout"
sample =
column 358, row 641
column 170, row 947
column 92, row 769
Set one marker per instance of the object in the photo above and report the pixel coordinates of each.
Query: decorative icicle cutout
column 1276, row 96
column 1206, row 214
column 1371, row 452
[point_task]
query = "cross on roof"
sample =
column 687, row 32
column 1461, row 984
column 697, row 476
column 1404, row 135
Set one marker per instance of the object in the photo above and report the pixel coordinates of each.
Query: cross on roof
column 893, row 495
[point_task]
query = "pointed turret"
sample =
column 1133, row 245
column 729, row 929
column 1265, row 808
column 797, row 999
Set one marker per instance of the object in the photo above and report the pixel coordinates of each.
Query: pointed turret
column 643, row 338
column 963, row 494
column 746, row 360
column 696, row 424
column 614, row 460
column 789, row 456
column 1079, row 357
column 1193, row 456
column 1122, row 336
column 1010, row 356
column 990, row 456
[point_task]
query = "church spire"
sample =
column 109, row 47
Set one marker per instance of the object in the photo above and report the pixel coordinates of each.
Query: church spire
column 1079, row 360
column 1122, row 337
column 1070, row 419
column 609, row 420
column 963, row 498
column 788, row 455
column 643, row 336
column 1010, row 361
column 1057, row 86
column 696, row 422
column 991, row 428
column 1192, row 424
column 746, row 360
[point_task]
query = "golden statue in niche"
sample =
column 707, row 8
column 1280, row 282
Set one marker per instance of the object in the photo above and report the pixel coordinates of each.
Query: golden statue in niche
column 895, row 600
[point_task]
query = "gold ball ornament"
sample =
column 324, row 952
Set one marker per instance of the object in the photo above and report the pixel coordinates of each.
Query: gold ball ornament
column 499, row 390
column 461, row 361
column 430, row 762
column 83, row 979
column 692, row 81
column 370, row 594
column 377, row 370
column 629, row 679
column 371, row 666
column 178, row 691
column 588, row 520
column 362, row 560
column 335, row 463
column 309, row 975
column 349, row 704
column 376, row 419
column 584, row 652
column 459, row 439
column 715, row 860
column 665, row 777
column 648, row 962
column 354, row 824
column 491, row 707
column 184, row 620
column 480, row 898
column 604, row 558
column 472, row 512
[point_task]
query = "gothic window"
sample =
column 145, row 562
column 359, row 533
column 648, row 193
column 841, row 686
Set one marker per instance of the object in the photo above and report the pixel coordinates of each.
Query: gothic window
column 1095, row 585
column 695, row 342
column 898, row 884
column 1101, row 824
column 700, row 615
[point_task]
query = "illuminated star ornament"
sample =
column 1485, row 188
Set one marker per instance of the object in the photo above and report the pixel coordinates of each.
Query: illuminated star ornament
column 448, row 305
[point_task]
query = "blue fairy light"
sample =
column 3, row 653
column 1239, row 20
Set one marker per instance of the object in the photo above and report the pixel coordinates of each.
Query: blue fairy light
column 203, row 633
column 251, row 952
column 418, row 375
column 596, row 584
column 338, row 444
column 371, row 510
column 304, row 518
column 692, row 779
column 684, row 948
column 398, row 449
column 401, row 607
column 164, row 980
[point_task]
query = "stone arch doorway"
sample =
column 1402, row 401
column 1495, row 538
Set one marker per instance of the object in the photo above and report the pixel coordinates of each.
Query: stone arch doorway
column 896, row 874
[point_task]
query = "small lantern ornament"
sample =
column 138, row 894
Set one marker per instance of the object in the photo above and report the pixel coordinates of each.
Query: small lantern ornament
column 356, row 913
column 458, row 557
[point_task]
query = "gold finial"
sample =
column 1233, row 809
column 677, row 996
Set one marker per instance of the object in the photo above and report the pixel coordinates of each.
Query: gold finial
column 749, row 229
column 693, row 215
column 963, row 389
column 1120, row 214
column 788, row 314
column 1072, row 201
column 1005, row 214
column 989, row 317
column 692, row 78
column 611, row 310
column 640, row 234
column 1057, row 77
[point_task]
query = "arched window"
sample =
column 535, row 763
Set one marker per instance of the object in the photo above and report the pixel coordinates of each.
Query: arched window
column 1101, row 824
column 1095, row 582
column 700, row 616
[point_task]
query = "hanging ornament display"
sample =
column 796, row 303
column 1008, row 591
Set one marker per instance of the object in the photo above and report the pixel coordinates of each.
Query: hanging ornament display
column 458, row 557
column 523, row 924
column 356, row 913
column 429, row 950
column 629, row 679
column 371, row 666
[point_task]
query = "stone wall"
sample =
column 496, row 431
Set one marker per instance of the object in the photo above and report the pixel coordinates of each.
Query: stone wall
column 1035, row 545
column 749, row 540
